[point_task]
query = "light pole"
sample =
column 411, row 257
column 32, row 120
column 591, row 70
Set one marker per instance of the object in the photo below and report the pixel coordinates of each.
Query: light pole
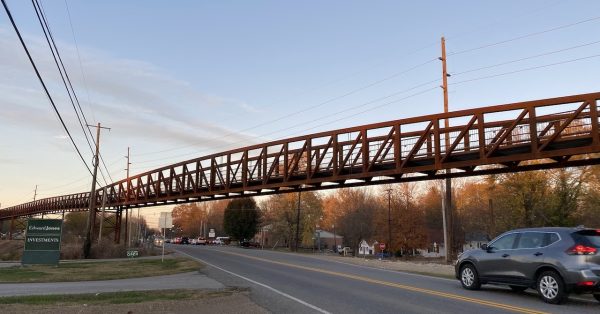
column 334, row 239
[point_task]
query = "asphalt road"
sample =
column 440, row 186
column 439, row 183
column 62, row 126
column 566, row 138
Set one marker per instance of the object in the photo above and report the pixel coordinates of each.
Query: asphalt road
column 297, row 283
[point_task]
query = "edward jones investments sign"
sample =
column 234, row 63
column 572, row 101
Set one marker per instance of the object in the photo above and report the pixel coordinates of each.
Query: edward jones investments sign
column 42, row 241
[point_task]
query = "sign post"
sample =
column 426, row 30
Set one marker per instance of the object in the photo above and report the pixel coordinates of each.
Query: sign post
column 165, row 221
column 381, row 248
column 42, row 241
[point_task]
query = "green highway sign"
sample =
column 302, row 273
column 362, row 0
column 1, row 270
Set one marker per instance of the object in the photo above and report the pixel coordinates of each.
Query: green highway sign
column 42, row 241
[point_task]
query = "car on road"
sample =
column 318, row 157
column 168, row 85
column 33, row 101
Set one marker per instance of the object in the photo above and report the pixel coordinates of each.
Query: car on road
column 555, row 261
column 201, row 241
column 185, row 240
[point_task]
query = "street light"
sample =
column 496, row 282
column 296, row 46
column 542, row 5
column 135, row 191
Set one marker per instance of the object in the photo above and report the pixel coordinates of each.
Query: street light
column 334, row 239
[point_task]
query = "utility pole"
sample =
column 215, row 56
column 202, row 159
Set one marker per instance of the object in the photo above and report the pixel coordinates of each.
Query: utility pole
column 87, row 244
column 297, row 224
column 35, row 193
column 389, row 193
column 127, row 222
column 447, row 206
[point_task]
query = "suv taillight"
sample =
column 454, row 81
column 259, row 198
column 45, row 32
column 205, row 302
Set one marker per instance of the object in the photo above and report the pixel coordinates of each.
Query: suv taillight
column 582, row 250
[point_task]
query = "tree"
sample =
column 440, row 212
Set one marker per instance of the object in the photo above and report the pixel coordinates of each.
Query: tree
column 280, row 211
column 241, row 218
column 187, row 218
column 355, row 210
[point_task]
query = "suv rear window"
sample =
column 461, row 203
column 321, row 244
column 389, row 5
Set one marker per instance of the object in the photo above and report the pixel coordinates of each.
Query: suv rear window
column 588, row 237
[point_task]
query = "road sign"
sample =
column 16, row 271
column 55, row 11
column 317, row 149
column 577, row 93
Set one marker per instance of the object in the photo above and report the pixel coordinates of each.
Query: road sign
column 42, row 241
column 133, row 253
column 211, row 233
column 382, row 246
column 165, row 220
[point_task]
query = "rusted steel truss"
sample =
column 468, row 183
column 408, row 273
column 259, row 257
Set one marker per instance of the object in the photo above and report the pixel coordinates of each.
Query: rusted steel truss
column 557, row 132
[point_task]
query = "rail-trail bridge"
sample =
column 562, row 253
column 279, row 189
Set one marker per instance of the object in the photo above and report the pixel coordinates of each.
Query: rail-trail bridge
column 555, row 133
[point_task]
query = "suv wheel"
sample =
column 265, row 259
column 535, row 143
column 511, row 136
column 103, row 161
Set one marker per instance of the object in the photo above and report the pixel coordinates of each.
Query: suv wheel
column 551, row 287
column 469, row 278
column 597, row 297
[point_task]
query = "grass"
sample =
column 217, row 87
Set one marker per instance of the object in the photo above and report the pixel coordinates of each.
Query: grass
column 86, row 271
column 125, row 297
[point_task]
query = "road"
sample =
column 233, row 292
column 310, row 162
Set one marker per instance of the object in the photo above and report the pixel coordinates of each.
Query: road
column 296, row 283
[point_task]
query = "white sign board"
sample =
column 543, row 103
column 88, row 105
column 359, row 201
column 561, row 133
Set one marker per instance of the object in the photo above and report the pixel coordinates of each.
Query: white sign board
column 165, row 220
column 211, row 233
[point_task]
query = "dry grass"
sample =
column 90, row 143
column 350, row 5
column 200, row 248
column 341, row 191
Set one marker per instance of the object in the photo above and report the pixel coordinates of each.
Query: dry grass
column 72, row 249
column 11, row 250
column 106, row 270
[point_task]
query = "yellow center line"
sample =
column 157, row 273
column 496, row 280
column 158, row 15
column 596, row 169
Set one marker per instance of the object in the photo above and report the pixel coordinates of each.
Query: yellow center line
column 396, row 285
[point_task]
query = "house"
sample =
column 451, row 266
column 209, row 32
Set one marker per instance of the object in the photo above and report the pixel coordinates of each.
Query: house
column 365, row 249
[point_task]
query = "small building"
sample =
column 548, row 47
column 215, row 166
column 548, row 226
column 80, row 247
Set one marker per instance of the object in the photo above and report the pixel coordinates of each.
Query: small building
column 365, row 249
column 328, row 240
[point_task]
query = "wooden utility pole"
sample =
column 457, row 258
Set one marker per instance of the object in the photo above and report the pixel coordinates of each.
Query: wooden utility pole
column 87, row 244
column 447, row 205
column 127, row 222
column 297, row 223
column 389, row 244
column 35, row 193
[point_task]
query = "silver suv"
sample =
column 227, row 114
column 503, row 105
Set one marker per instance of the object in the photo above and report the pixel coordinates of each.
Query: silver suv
column 555, row 261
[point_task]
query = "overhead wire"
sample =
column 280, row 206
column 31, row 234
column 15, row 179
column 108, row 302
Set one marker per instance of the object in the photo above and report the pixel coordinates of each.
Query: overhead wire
column 392, row 76
column 282, row 117
column 525, row 69
column 53, row 47
column 45, row 29
column 351, row 115
column 322, row 117
column 85, row 85
column 44, row 84
column 524, row 36
column 525, row 58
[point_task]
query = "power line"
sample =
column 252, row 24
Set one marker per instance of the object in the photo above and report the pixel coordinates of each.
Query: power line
column 313, row 120
column 80, row 63
column 354, row 91
column 526, row 69
column 43, row 84
column 524, row 36
column 380, row 81
column 45, row 27
column 525, row 58
column 332, row 121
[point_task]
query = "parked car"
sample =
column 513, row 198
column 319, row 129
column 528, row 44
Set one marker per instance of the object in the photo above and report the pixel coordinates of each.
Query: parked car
column 185, row 240
column 176, row 240
column 201, row 241
column 222, row 241
column 555, row 261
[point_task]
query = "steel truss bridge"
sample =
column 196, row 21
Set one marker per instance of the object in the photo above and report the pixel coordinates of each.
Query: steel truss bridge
column 555, row 133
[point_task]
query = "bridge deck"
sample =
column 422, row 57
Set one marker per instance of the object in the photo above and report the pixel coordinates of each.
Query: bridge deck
column 557, row 132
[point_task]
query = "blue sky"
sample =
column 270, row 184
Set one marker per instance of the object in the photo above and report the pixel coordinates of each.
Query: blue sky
column 171, row 78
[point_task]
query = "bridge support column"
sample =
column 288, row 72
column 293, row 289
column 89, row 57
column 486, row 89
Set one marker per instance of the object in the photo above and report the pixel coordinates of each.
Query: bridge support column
column 118, row 215
column 12, row 228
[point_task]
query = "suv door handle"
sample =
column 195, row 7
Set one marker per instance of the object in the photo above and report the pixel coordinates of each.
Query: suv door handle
column 538, row 253
column 505, row 255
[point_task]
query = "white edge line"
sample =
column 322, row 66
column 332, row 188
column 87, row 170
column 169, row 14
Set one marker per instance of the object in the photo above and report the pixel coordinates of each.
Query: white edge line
column 318, row 309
